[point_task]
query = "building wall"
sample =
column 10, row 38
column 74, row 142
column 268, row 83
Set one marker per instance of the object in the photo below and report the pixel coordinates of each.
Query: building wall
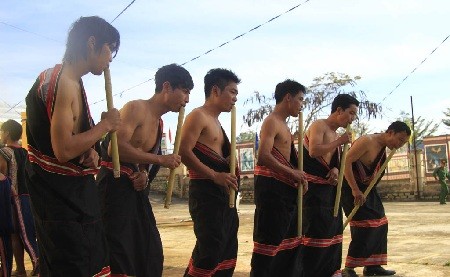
column 402, row 181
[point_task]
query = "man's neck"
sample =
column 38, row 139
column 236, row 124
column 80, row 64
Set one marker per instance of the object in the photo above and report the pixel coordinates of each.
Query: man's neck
column 281, row 112
column 157, row 106
column 332, row 122
column 76, row 70
column 212, row 109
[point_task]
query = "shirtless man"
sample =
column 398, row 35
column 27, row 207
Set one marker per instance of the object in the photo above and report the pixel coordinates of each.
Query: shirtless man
column 369, row 226
column 321, row 156
column 134, row 242
column 277, row 247
column 204, row 149
column 61, row 157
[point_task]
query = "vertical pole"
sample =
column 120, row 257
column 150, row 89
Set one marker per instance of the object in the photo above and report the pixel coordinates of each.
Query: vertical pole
column 415, row 148
column 232, row 198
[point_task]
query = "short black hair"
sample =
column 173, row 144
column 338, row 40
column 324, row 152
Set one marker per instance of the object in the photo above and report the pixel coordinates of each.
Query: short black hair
column 398, row 127
column 176, row 75
column 288, row 87
column 219, row 77
column 13, row 128
column 344, row 101
column 80, row 32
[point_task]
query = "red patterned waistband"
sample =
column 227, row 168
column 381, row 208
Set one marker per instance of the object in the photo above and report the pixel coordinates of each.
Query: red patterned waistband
column 52, row 164
column 267, row 172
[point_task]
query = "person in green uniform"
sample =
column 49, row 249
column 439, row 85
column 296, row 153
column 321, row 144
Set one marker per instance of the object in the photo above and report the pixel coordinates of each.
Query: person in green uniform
column 441, row 173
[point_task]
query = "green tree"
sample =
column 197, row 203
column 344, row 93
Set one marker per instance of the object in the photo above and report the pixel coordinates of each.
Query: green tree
column 361, row 128
column 318, row 100
column 446, row 121
column 422, row 128
column 245, row 137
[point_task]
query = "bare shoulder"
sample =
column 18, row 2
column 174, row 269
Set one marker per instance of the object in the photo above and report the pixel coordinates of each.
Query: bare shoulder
column 269, row 121
column 67, row 89
column 136, row 109
column 320, row 123
column 197, row 115
column 317, row 127
column 273, row 124
column 363, row 141
column 368, row 140
column 137, row 105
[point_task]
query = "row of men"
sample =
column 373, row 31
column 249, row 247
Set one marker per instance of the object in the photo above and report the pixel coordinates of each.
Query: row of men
column 78, row 235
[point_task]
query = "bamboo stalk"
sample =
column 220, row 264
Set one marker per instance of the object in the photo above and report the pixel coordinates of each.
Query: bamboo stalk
column 110, row 105
column 341, row 176
column 300, row 167
column 371, row 185
column 233, row 155
column 176, row 148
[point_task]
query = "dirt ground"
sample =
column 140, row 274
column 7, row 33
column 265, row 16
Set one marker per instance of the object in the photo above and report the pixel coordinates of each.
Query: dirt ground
column 418, row 241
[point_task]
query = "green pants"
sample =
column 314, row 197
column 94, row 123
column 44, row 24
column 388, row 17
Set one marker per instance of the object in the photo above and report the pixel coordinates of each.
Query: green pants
column 444, row 192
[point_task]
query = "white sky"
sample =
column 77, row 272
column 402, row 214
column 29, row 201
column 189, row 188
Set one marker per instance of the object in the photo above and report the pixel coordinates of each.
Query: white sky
column 379, row 40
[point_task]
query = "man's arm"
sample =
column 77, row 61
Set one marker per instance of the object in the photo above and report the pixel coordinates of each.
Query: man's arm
column 435, row 171
column 131, row 116
column 193, row 126
column 65, row 144
column 269, row 131
column 358, row 149
column 317, row 146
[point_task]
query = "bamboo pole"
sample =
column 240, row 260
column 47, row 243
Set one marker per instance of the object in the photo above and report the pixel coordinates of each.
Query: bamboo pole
column 371, row 185
column 233, row 155
column 110, row 105
column 341, row 176
column 300, row 167
column 176, row 148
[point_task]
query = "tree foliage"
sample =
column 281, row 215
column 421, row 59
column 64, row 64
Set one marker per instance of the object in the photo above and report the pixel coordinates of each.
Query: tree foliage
column 246, row 137
column 318, row 100
column 446, row 121
column 422, row 128
column 361, row 128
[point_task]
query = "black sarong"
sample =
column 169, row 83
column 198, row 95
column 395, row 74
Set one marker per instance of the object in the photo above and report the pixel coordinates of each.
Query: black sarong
column 277, row 247
column 369, row 226
column 215, row 223
column 64, row 196
column 6, row 228
column 22, row 215
column 322, row 231
column 135, row 246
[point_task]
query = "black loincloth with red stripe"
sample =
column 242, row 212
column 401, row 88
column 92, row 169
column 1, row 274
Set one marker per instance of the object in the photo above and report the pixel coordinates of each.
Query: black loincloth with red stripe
column 215, row 223
column 277, row 247
column 322, row 231
column 64, row 196
column 369, row 226
column 135, row 246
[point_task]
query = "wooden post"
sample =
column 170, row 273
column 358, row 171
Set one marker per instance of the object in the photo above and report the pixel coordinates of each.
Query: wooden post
column 300, row 167
column 233, row 154
column 176, row 148
column 23, row 116
column 110, row 105
column 341, row 176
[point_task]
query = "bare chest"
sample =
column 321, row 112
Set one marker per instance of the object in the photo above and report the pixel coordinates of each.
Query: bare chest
column 145, row 136
column 213, row 137
column 78, row 114
column 283, row 141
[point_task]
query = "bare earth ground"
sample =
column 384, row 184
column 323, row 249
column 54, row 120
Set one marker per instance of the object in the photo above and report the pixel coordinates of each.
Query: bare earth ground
column 418, row 242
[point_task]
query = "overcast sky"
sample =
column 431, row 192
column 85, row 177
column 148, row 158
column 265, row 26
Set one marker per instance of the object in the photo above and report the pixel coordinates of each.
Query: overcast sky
column 381, row 41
